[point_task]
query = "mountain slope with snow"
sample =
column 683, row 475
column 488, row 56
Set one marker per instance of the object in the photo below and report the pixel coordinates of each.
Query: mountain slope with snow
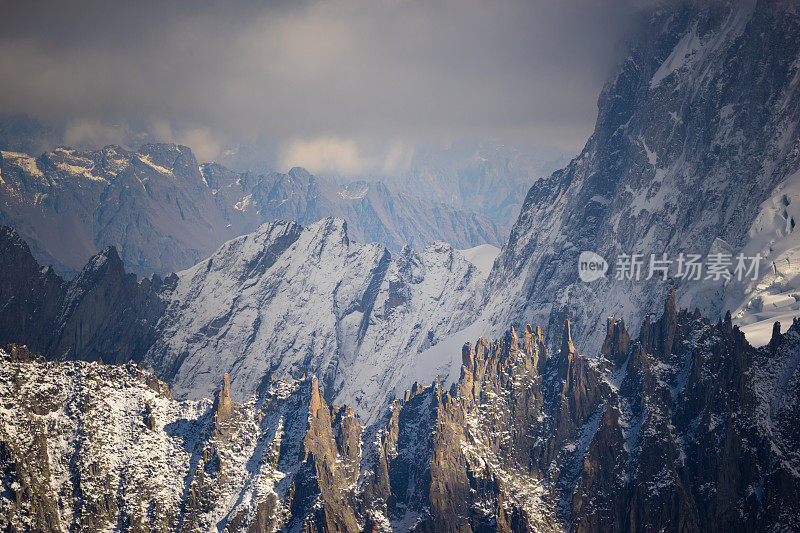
column 687, row 428
column 696, row 130
column 285, row 301
column 482, row 257
column 775, row 294
column 93, row 447
column 281, row 302
column 151, row 204
column 165, row 212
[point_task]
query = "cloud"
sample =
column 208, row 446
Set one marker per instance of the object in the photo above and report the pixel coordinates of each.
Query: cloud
column 328, row 155
column 345, row 157
column 91, row 133
column 203, row 143
column 398, row 157
column 315, row 76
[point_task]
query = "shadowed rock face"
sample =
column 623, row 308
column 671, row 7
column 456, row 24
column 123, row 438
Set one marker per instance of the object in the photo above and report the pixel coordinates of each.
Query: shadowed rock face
column 102, row 313
column 692, row 430
column 29, row 295
column 152, row 204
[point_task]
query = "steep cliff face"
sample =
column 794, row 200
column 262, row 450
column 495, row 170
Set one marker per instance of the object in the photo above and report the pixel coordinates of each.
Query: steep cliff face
column 696, row 130
column 102, row 313
column 29, row 294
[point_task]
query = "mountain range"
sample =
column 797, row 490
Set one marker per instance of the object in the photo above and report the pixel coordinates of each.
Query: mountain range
column 301, row 379
column 688, row 428
column 655, row 177
column 486, row 177
column 165, row 212
column 281, row 302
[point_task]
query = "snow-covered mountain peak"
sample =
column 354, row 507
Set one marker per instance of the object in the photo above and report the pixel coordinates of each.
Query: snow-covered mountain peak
column 285, row 301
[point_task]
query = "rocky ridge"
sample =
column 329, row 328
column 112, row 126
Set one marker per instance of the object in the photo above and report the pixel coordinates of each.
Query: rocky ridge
column 280, row 302
column 687, row 428
column 103, row 313
column 284, row 301
column 374, row 211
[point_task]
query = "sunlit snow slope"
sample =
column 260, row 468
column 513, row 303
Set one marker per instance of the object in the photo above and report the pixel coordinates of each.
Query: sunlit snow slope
column 285, row 301
column 482, row 257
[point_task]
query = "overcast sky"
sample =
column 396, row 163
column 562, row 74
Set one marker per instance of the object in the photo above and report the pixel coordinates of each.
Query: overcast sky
column 353, row 84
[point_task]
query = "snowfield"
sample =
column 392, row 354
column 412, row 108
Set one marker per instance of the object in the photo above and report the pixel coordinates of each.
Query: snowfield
column 775, row 294
column 482, row 257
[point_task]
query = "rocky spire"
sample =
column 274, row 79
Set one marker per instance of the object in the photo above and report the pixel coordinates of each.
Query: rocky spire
column 533, row 344
column 511, row 338
column 223, row 406
column 775, row 340
column 617, row 343
column 316, row 398
column 657, row 337
column 566, row 343
column 671, row 306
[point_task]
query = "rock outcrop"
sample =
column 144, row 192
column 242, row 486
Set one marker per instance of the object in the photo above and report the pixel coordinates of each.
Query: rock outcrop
column 671, row 433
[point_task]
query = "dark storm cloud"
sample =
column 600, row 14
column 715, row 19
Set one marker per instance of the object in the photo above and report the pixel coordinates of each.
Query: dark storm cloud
column 325, row 79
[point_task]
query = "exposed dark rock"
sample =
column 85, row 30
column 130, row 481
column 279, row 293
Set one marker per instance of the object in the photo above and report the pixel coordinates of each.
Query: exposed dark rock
column 101, row 314
column 617, row 343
